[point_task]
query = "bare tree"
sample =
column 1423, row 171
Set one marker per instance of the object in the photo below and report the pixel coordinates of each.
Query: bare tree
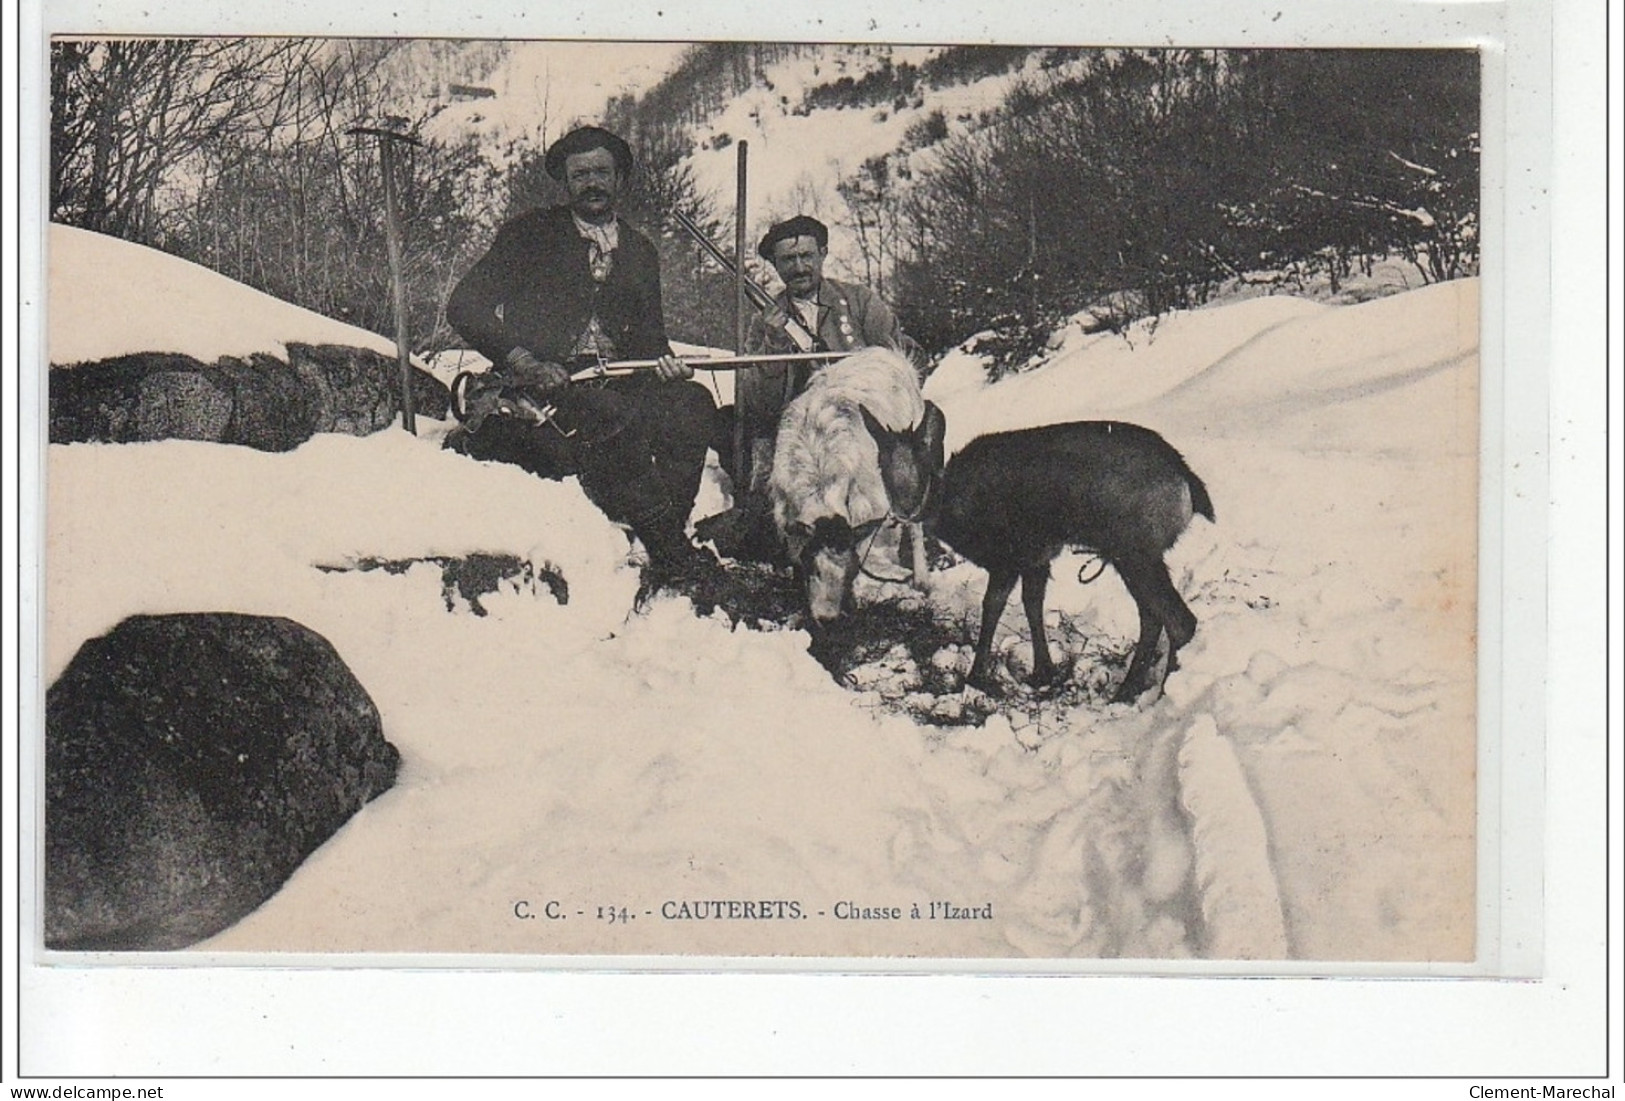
column 129, row 116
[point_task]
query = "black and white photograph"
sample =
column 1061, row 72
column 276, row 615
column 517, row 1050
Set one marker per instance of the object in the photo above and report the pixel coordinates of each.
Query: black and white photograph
column 762, row 499
column 805, row 541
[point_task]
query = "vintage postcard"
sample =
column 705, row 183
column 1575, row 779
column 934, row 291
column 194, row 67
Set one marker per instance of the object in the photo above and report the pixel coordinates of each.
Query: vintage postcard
column 623, row 634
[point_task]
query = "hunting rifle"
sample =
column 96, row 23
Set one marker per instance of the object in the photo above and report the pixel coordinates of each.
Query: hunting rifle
column 618, row 368
column 761, row 299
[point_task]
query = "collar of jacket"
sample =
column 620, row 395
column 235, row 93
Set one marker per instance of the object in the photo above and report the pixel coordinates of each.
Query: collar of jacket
column 830, row 297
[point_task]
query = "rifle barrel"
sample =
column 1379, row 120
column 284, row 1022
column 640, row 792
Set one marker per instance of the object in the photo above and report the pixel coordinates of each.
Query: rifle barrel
column 620, row 367
column 757, row 295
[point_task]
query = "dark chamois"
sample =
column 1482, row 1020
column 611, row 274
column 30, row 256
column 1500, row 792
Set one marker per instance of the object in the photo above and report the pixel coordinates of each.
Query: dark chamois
column 1012, row 501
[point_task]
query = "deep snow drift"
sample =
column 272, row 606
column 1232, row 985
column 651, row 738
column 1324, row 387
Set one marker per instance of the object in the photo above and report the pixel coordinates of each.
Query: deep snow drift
column 111, row 297
column 1304, row 789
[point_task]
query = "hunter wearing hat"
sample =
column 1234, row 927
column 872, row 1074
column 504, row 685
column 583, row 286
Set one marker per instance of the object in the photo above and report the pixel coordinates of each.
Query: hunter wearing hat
column 836, row 316
column 567, row 287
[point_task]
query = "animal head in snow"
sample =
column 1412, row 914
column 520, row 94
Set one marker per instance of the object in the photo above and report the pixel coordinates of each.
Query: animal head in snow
column 826, row 486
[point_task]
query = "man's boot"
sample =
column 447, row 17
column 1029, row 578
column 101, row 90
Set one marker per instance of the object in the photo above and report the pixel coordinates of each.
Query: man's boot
column 662, row 535
column 674, row 562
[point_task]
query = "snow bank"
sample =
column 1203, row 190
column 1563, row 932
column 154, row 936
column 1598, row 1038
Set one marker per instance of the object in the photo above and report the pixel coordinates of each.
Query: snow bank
column 184, row 526
column 109, row 297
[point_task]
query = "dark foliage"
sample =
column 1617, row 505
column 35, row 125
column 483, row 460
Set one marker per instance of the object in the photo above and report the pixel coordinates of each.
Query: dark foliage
column 472, row 576
column 1135, row 182
column 887, row 84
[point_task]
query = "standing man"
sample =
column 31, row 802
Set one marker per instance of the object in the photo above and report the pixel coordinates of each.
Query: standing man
column 568, row 287
column 838, row 317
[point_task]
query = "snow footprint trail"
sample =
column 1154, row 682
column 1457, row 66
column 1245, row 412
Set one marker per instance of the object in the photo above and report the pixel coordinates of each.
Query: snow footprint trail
column 1241, row 901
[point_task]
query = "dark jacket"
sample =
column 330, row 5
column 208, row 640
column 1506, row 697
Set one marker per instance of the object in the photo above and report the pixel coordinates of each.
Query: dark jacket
column 534, row 290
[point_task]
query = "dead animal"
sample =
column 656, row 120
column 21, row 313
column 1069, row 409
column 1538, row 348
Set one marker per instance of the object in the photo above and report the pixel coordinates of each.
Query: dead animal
column 826, row 488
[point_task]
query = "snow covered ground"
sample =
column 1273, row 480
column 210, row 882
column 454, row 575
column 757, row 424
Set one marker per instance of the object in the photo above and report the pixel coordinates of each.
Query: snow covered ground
column 1303, row 790
column 97, row 310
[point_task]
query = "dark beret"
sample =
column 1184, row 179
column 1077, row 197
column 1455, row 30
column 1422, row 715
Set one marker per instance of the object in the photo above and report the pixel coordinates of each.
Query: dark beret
column 585, row 139
column 799, row 226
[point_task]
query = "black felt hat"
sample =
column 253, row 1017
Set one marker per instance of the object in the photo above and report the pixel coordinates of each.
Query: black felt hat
column 799, row 226
column 585, row 139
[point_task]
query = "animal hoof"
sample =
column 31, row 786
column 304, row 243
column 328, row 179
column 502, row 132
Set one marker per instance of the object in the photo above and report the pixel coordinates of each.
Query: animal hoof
column 1136, row 694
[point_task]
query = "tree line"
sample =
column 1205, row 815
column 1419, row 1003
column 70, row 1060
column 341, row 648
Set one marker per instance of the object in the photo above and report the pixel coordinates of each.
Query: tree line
column 1135, row 182
column 1124, row 182
column 242, row 155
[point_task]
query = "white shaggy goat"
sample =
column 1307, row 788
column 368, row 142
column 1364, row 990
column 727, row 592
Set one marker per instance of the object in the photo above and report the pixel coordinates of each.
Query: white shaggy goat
column 826, row 488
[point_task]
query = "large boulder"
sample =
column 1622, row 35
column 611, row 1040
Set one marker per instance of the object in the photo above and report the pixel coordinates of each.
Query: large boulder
column 192, row 762
column 103, row 401
column 183, row 405
column 272, row 409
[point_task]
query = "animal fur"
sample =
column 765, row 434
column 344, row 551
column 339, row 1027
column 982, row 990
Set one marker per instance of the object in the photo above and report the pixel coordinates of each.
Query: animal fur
column 826, row 480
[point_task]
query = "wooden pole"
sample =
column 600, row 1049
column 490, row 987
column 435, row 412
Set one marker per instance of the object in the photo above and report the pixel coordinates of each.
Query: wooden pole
column 392, row 234
column 741, row 304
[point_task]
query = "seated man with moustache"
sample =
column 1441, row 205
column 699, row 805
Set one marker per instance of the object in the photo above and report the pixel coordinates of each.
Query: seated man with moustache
column 572, row 286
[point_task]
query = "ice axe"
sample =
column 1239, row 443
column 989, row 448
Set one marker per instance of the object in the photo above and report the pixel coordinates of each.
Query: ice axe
column 392, row 238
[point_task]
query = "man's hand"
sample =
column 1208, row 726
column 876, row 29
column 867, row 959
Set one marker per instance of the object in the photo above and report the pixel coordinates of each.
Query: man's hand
column 528, row 370
column 781, row 335
column 672, row 369
column 776, row 318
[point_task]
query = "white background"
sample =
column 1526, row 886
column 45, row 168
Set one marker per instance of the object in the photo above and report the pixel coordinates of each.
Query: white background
column 399, row 1022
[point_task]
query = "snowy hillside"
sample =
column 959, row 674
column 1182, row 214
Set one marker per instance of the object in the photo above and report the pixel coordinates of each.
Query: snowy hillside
column 525, row 93
column 1303, row 790
column 797, row 157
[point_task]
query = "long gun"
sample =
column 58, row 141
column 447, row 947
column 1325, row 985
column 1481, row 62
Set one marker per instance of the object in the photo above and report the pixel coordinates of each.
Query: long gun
column 520, row 404
column 621, row 367
column 759, row 298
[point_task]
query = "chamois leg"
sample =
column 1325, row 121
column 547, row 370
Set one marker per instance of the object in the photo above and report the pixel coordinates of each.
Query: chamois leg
column 1033, row 583
column 1000, row 584
column 1170, row 607
column 1181, row 621
column 1148, row 583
